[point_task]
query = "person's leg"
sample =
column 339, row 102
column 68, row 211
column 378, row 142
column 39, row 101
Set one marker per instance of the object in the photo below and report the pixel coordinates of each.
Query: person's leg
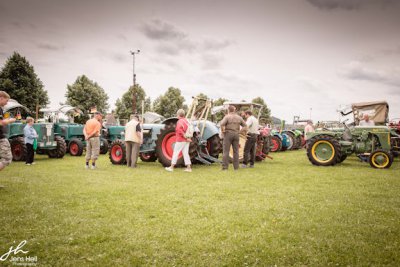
column 95, row 151
column 29, row 154
column 177, row 149
column 128, row 145
column 186, row 156
column 246, row 153
column 253, row 148
column 226, row 148
column 235, row 147
column 88, row 151
column 5, row 153
column 135, row 154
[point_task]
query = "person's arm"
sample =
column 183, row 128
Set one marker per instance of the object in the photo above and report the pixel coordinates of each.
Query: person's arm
column 139, row 132
column 223, row 124
column 4, row 122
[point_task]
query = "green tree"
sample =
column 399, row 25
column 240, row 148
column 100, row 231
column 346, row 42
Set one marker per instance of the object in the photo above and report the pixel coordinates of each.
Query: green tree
column 19, row 80
column 85, row 94
column 124, row 105
column 168, row 104
column 265, row 113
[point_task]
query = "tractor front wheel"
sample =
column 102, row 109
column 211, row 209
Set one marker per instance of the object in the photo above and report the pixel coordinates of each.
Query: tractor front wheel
column 148, row 156
column 18, row 149
column 380, row 159
column 60, row 150
column 324, row 150
column 118, row 152
column 75, row 147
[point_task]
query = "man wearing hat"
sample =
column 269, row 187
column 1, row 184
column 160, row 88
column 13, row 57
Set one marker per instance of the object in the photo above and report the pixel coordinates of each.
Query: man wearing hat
column 5, row 149
column 91, row 132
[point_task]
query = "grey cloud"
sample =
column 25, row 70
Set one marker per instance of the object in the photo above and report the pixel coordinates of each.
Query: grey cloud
column 122, row 37
column 116, row 57
column 356, row 71
column 391, row 51
column 211, row 61
column 168, row 49
column 51, row 47
column 216, row 44
column 348, row 4
column 159, row 30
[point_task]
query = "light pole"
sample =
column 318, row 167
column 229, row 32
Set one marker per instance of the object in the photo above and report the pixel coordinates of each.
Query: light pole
column 134, row 110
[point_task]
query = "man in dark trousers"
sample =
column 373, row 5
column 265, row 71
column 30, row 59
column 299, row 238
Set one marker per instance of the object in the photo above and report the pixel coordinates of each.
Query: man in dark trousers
column 230, row 128
column 251, row 142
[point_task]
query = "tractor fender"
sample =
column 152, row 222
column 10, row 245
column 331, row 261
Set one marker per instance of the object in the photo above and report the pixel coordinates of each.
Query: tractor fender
column 170, row 120
column 314, row 134
column 210, row 129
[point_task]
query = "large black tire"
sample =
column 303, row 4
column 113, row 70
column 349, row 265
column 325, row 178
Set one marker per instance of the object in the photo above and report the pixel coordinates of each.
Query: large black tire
column 104, row 147
column 267, row 145
column 342, row 158
column 18, row 149
column 164, row 147
column 292, row 140
column 60, row 150
column 380, row 159
column 75, row 147
column 298, row 142
column 148, row 157
column 324, row 150
column 117, row 152
column 276, row 144
column 214, row 146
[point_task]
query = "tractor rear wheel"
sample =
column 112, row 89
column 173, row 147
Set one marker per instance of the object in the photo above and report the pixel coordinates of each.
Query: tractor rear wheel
column 380, row 159
column 148, row 156
column 214, row 146
column 165, row 146
column 60, row 150
column 276, row 144
column 292, row 140
column 104, row 147
column 18, row 149
column 118, row 152
column 75, row 147
column 324, row 150
column 263, row 147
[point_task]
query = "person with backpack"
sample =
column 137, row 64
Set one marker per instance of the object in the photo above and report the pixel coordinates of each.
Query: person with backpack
column 183, row 133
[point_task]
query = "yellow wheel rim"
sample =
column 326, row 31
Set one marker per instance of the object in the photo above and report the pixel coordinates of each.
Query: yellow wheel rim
column 323, row 151
column 380, row 160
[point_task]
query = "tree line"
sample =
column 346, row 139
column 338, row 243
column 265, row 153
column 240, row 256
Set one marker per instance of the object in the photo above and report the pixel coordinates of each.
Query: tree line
column 19, row 80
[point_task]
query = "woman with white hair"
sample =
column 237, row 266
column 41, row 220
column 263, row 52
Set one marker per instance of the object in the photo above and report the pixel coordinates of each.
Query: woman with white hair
column 182, row 143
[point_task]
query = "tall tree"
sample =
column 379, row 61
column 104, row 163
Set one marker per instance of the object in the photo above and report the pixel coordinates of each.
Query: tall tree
column 265, row 113
column 19, row 80
column 85, row 94
column 124, row 105
column 168, row 104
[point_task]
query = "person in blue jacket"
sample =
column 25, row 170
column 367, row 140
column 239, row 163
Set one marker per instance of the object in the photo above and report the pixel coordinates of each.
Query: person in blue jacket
column 29, row 137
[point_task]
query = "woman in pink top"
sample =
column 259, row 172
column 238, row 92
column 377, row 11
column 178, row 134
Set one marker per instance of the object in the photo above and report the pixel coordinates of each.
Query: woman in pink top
column 182, row 143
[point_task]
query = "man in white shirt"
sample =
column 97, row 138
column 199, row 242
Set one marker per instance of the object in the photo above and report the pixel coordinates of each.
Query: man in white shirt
column 366, row 121
column 251, row 142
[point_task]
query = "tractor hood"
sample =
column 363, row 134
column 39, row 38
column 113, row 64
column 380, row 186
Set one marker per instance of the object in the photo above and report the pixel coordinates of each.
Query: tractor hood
column 378, row 111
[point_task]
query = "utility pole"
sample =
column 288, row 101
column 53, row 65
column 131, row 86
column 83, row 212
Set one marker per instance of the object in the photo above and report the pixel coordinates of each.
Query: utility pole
column 134, row 109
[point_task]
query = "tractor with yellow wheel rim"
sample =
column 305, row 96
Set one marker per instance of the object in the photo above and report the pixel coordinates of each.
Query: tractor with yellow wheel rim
column 372, row 144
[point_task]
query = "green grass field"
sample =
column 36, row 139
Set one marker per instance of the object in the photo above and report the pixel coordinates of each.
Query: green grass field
column 284, row 212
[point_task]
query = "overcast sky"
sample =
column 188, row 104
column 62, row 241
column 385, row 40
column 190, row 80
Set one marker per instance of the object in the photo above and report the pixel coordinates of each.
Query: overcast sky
column 296, row 54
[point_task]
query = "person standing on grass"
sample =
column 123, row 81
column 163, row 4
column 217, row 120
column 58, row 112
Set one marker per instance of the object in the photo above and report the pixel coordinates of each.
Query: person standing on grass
column 182, row 143
column 5, row 149
column 230, row 128
column 133, row 139
column 29, row 137
column 308, row 129
column 251, row 141
column 91, row 131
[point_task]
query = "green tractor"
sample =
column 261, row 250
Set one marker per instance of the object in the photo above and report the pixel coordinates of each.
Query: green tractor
column 370, row 143
column 64, row 126
column 47, row 143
